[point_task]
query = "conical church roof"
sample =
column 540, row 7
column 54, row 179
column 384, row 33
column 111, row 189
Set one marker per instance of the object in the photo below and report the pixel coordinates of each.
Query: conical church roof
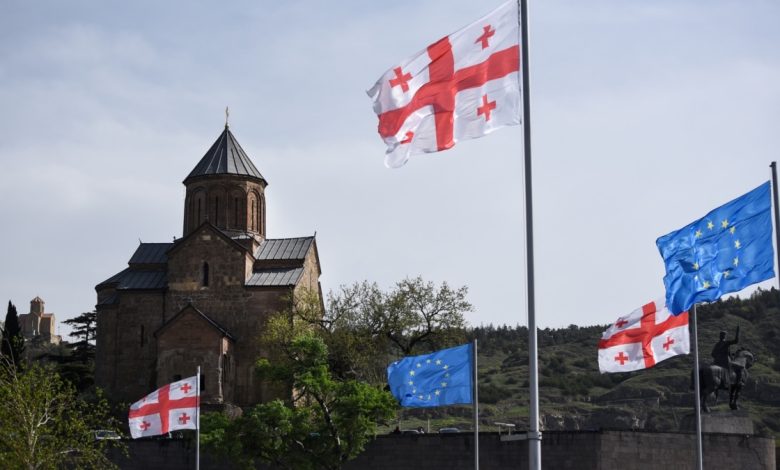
column 225, row 157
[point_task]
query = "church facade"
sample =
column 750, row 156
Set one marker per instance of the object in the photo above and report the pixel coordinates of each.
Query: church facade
column 203, row 299
column 39, row 326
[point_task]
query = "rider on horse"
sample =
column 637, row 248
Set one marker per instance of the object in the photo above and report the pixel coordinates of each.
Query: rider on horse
column 722, row 357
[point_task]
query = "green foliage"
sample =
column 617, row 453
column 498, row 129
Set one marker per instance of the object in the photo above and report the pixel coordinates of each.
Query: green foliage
column 12, row 346
column 43, row 425
column 326, row 422
column 85, row 329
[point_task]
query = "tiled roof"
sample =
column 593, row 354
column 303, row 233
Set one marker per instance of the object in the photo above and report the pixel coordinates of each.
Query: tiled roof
column 132, row 279
column 275, row 277
column 225, row 157
column 151, row 253
column 284, row 248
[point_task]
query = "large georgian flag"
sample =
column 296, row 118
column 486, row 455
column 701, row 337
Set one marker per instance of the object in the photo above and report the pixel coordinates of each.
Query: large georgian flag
column 463, row 86
column 172, row 407
column 644, row 337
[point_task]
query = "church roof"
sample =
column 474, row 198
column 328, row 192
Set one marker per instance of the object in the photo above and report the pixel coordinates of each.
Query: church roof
column 225, row 157
column 132, row 279
column 151, row 253
column 284, row 248
column 275, row 277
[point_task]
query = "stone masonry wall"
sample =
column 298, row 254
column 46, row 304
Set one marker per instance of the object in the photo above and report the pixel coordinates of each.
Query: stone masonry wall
column 563, row 450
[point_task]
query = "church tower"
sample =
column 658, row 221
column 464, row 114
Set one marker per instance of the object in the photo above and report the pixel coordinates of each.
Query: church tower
column 228, row 191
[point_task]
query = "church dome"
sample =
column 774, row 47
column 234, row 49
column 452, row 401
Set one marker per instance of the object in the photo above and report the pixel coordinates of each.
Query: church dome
column 225, row 157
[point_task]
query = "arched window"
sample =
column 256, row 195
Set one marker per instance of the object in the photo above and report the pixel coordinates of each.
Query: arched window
column 254, row 216
column 204, row 275
column 216, row 211
column 261, row 216
column 236, row 224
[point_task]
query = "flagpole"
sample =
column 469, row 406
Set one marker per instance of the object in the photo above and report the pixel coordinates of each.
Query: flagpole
column 197, row 422
column 773, row 165
column 697, row 391
column 476, row 409
column 534, row 436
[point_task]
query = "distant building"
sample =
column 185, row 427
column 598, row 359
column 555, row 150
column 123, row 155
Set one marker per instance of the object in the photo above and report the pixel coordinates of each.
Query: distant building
column 204, row 298
column 38, row 326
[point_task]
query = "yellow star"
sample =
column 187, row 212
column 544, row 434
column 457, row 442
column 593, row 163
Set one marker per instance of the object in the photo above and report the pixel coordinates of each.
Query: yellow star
column 419, row 365
column 726, row 273
column 696, row 266
column 411, row 372
column 427, row 361
column 736, row 261
column 737, row 245
column 706, row 284
column 420, row 397
column 710, row 225
column 444, row 385
column 438, row 361
column 698, row 234
column 725, row 223
column 446, row 366
column 411, row 382
column 437, row 393
column 732, row 230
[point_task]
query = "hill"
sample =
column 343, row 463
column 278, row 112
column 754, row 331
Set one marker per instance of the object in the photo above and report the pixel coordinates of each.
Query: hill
column 574, row 395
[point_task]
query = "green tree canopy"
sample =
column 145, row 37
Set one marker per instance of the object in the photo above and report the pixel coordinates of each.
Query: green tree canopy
column 43, row 425
column 326, row 421
column 12, row 341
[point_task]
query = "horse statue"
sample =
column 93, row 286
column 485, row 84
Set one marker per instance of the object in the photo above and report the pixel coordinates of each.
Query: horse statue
column 714, row 378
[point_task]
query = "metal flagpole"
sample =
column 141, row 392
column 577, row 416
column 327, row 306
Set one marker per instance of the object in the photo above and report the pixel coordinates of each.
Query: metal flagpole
column 697, row 391
column 476, row 408
column 773, row 165
column 534, row 436
column 197, row 423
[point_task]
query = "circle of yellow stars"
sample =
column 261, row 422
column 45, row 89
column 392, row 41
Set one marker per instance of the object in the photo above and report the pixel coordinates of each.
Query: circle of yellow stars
column 724, row 224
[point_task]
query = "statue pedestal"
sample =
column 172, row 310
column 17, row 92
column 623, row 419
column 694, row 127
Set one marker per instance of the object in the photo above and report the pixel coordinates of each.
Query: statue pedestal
column 721, row 422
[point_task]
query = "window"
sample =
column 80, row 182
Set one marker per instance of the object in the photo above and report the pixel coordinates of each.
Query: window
column 216, row 210
column 199, row 213
column 204, row 278
column 235, row 212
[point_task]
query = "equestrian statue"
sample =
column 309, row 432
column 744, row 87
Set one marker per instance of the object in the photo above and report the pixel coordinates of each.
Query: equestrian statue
column 727, row 371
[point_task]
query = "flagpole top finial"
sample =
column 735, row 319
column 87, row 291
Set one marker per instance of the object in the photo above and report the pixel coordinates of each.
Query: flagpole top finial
column 227, row 116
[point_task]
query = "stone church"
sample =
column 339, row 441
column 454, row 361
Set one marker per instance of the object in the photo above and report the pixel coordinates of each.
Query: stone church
column 204, row 298
column 39, row 326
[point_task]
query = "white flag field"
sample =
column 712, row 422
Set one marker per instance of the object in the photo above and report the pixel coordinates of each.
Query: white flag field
column 463, row 86
column 169, row 408
column 643, row 338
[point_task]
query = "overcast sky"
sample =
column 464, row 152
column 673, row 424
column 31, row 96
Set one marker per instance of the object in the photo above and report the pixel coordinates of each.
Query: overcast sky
column 645, row 116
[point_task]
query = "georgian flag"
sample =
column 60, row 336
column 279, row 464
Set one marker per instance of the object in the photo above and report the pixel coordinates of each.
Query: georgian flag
column 463, row 86
column 169, row 408
column 642, row 338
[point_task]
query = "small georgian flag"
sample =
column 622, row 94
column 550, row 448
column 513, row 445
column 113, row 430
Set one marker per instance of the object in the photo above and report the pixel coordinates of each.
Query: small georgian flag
column 642, row 338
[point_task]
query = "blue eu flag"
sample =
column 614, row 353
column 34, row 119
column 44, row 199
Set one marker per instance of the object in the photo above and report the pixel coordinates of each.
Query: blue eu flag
column 436, row 379
column 725, row 251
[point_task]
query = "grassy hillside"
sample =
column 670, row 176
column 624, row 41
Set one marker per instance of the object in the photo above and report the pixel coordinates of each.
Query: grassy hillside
column 574, row 395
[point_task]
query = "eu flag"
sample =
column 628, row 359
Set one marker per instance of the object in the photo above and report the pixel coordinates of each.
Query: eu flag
column 436, row 379
column 725, row 251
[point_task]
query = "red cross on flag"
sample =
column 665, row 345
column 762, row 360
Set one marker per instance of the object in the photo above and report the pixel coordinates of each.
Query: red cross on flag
column 463, row 86
column 172, row 407
column 644, row 337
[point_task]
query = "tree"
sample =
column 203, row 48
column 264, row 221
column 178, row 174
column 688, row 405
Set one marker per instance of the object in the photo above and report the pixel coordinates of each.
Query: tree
column 326, row 421
column 12, row 340
column 85, row 329
column 43, row 425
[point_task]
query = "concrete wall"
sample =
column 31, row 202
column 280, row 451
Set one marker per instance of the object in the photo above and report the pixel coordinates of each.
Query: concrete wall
column 607, row 450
